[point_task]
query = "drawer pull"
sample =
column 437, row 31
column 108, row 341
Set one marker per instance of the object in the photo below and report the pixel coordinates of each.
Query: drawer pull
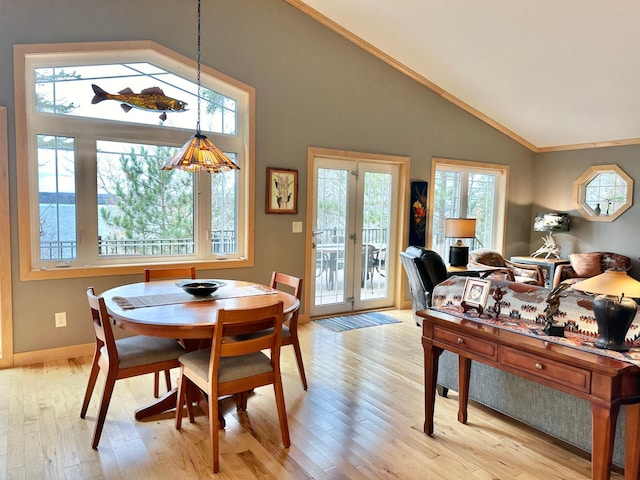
column 538, row 366
column 460, row 341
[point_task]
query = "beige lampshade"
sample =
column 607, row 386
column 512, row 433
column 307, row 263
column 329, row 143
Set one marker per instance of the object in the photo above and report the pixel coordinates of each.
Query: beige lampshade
column 460, row 227
column 611, row 282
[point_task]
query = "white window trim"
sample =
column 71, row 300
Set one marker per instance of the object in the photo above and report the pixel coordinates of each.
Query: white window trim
column 500, row 211
column 165, row 58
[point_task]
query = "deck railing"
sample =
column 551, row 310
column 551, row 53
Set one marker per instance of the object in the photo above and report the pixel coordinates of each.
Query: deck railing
column 375, row 235
column 222, row 241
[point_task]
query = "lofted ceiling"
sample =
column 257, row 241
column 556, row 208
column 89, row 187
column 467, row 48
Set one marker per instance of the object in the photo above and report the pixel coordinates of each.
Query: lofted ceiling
column 553, row 75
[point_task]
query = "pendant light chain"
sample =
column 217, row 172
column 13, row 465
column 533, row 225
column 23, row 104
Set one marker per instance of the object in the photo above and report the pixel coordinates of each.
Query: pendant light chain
column 198, row 71
column 199, row 153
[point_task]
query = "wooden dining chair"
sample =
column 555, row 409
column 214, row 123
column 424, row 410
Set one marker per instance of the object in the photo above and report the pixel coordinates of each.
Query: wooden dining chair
column 235, row 365
column 166, row 273
column 160, row 274
column 290, row 326
column 122, row 358
column 368, row 264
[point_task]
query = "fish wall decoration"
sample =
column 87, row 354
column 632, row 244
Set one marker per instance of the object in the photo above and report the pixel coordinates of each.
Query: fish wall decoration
column 150, row 99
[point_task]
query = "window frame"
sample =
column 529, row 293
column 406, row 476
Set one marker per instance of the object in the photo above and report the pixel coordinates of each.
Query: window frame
column 26, row 57
column 500, row 198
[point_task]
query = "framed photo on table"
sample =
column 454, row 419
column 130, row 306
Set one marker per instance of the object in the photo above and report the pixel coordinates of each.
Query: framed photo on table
column 475, row 294
column 282, row 190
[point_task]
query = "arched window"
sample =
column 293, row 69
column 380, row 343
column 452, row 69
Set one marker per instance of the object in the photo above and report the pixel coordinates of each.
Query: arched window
column 91, row 189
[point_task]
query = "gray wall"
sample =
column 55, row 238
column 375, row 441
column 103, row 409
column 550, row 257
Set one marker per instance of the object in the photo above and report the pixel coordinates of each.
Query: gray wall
column 313, row 89
column 554, row 176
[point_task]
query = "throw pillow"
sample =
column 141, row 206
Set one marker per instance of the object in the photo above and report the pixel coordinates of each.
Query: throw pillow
column 525, row 272
column 586, row 264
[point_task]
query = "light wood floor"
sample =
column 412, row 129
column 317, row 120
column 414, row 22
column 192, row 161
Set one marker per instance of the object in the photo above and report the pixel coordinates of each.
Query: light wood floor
column 360, row 419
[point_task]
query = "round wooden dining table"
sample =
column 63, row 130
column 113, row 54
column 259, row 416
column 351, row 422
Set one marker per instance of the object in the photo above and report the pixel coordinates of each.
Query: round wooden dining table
column 189, row 317
column 162, row 309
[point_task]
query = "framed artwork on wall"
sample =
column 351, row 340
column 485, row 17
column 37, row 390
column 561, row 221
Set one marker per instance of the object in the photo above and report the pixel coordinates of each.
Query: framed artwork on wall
column 282, row 190
column 418, row 214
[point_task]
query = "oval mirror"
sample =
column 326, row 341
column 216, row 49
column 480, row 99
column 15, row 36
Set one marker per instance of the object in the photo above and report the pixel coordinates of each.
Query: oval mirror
column 603, row 193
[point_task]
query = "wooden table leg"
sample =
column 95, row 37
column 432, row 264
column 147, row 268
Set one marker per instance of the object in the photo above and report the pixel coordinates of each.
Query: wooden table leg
column 167, row 402
column 431, row 355
column 632, row 443
column 603, row 427
column 464, row 373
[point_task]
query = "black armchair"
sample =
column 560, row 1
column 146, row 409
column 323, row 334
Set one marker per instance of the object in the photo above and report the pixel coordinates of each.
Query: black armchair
column 425, row 269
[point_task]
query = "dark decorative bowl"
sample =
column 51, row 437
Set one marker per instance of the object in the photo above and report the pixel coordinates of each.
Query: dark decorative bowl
column 200, row 288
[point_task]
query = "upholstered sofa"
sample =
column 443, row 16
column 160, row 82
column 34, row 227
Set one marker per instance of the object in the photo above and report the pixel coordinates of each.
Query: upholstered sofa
column 559, row 414
column 586, row 265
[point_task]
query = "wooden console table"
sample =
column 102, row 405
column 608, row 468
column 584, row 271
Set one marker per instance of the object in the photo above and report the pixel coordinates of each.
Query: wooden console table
column 605, row 382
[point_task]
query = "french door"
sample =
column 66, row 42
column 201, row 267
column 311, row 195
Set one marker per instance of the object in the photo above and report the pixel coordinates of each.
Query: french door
column 353, row 239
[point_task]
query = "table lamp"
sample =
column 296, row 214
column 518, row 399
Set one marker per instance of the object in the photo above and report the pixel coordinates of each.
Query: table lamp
column 613, row 307
column 550, row 222
column 459, row 228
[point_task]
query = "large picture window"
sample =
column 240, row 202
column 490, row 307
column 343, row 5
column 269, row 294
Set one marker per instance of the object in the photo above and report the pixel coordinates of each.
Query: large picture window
column 463, row 189
column 93, row 196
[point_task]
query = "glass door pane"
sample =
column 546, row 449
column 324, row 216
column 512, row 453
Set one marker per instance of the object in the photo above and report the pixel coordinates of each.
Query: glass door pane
column 353, row 201
column 330, row 237
column 376, row 222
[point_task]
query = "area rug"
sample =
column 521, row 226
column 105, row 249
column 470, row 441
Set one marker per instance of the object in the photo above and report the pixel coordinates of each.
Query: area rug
column 351, row 322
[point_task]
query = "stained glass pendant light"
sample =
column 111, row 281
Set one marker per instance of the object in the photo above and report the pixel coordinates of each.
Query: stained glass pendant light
column 199, row 153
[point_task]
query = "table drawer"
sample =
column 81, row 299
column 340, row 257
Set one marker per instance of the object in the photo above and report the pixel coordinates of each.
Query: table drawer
column 556, row 372
column 462, row 342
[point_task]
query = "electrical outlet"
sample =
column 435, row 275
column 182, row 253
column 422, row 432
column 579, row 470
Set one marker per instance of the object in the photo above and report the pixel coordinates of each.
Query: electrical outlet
column 61, row 319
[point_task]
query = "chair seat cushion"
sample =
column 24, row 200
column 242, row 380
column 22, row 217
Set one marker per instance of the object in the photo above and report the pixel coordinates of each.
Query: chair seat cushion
column 141, row 350
column 524, row 275
column 231, row 368
column 525, row 279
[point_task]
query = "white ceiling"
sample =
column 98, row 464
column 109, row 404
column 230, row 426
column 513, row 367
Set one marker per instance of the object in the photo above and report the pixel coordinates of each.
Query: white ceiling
column 550, row 73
